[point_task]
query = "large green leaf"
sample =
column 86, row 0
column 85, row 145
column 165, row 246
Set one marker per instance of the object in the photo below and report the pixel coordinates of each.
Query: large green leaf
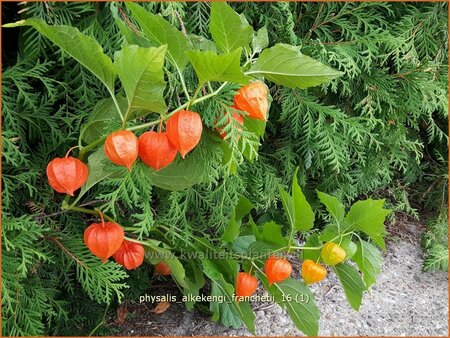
column 228, row 312
column 261, row 249
column 100, row 168
column 242, row 208
column 184, row 173
column 241, row 244
column 160, row 31
column 303, row 215
column 352, row 283
column 296, row 297
column 260, row 40
column 232, row 231
column 155, row 254
column 82, row 48
column 212, row 67
column 333, row 205
column 194, row 282
column 141, row 73
column 369, row 261
column 103, row 119
column 272, row 234
column 285, row 65
column 228, row 29
column 368, row 216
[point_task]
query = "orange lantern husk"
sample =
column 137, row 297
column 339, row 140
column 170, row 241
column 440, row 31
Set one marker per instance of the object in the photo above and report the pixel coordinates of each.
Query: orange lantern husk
column 121, row 147
column 184, row 130
column 155, row 150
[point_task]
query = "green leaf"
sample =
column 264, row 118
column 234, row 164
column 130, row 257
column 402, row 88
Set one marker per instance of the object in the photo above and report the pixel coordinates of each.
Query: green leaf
column 272, row 234
column 82, row 48
column 229, row 312
column 352, row 283
column 333, row 205
column 141, row 73
column 103, row 120
column 312, row 241
column 285, row 65
column 243, row 207
column 177, row 270
column 349, row 246
column 194, row 282
column 260, row 40
column 286, row 200
column 154, row 253
column 100, row 168
column 329, row 233
column 212, row 67
column 228, row 29
column 182, row 174
column 368, row 216
column 158, row 30
column 260, row 249
column 232, row 231
column 296, row 297
column 241, row 244
column 369, row 261
column 303, row 215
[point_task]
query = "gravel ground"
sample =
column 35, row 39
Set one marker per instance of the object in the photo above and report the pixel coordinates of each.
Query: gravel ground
column 404, row 302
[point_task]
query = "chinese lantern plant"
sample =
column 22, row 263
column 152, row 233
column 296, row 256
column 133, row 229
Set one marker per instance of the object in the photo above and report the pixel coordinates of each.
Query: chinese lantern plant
column 355, row 235
column 157, row 130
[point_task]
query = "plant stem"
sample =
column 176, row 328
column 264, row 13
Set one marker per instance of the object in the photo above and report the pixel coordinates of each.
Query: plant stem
column 117, row 105
column 305, row 248
column 183, row 84
column 89, row 211
column 125, row 119
column 85, row 149
column 203, row 98
column 101, row 322
column 197, row 90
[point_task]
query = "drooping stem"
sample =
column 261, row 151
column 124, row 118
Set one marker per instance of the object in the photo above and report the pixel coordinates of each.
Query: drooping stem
column 101, row 216
column 69, row 151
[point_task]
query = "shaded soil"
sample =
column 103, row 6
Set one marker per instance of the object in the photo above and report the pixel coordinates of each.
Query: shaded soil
column 404, row 302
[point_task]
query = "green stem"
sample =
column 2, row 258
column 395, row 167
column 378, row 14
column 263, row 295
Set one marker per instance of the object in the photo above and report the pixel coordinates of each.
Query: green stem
column 85, row 149
column 201, row 99
column 125, row 119
column 117, row 104
column 197, row 90
column 183, row 84
column 90, row 211
column 101, row 322
column 305, row 248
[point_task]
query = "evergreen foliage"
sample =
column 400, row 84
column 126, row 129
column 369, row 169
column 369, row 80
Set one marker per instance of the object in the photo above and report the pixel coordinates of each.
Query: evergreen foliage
column 380, row 129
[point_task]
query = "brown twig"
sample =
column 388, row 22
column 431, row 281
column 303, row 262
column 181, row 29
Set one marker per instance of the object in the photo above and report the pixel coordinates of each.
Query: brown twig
column 63, row 248
column 183, row 28
column 128, row 22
